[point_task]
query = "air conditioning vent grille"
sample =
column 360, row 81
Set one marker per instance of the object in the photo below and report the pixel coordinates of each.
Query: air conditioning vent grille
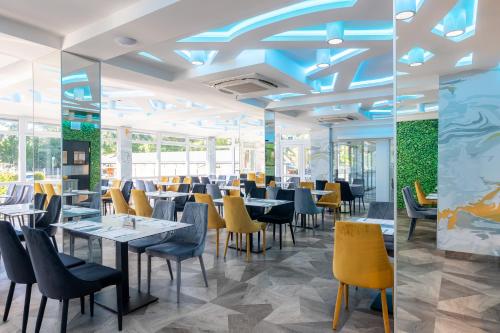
column 244, row 84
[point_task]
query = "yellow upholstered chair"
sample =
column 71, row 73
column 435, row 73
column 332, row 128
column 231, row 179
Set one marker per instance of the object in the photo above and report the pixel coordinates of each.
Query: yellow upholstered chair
column 141, row 203
column 58, row 189
column 309, row 185
column 252, row 176
column 187, row 180
column 421, row 196
column 115, row 183
column 174, row 188
column 119, row 203
column 49, row 190
column 239, row 222
column 360, row 259
column 215, row 221
column 38, row 188
column 235, row 193
column 331, row 200
column 164, row 179
column 261, row 179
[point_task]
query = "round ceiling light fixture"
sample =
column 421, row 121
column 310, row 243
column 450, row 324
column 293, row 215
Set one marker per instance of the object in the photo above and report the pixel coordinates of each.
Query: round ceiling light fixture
column 335, row 33
column 316, row 87
column 416, row 57
column 126, row 41
column 198, row 57
column 323, row 58
column 454, row 23
column 405, row 9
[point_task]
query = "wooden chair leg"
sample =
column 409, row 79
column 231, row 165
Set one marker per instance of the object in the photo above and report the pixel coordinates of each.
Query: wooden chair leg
column 248, row 247
column 217, row 242
column 237, row 243
column 241, row 243
column 346, row 296
column 338, row 304
column 385, row 311
column 227, row 243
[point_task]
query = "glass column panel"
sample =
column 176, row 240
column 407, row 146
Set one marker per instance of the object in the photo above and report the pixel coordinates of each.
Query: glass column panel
column 270, row 139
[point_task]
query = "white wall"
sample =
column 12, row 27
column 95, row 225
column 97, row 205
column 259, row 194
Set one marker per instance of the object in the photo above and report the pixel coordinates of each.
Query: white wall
column 383, row 169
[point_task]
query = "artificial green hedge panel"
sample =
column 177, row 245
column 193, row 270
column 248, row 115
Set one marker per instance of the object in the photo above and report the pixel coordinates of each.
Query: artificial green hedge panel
column 417, row 158
column 91, row 134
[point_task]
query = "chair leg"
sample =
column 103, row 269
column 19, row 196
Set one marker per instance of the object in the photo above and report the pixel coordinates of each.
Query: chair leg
column 280, row 236
column 248, row 247
column 27, row 298
column 274, row 232
column 82, row 304
column 149, row 274
column 91, row 304
column 119, row 305
column 178, row 280
column 41, row 311
column 291, row 231
column 227, row 243
column 54, row 242
column 217, row 242
column 241, row 243
column 170, row 270
column 9, row 300
column 237, row 242
column 139, row 272
column 338, row 305
column 264, row 242
column 203, row 271
column 64, row 318
column 385, row 311
column 346, row 296
column 363, row 200
column 413, row 223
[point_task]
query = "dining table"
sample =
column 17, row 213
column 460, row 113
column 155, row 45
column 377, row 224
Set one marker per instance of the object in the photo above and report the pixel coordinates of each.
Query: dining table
column 72, row 212
column 19, row 211
column 122, row 229
column 166, row 195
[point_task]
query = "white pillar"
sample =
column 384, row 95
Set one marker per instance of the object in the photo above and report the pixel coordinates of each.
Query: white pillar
column 21, row 159
column 124, row 152
column 382, row 167
column 320, row 154
column 211, row 155
column 158, row 155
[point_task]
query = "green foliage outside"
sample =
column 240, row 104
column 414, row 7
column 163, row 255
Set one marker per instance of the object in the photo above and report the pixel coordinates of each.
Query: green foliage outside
column 417, row 159
column 6, row 176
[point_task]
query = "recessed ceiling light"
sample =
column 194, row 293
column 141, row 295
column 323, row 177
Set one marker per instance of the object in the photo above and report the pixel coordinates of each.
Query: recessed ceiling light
column 454, row 23
column 125, row 41
column 405, row 15
column 416, row 57
column 455, row 33
column 405, row 9
column 323, row 58
column 416, row 64
column 323, row 65
column 335, row 33
column 335, row 41
column 197, row 62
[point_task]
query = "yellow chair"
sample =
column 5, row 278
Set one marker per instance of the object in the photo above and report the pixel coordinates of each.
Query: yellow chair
column 119, row 203
column 421, row 196
column 215, row 221
column 187, row 180
column 58, row 189
column 360, row 259
column 235, row 193
column 141, row 203
column 49, row 190
column 174, row 188
column 309, row 185
column 38, row 188
column 115, row 183
column 331, row 200
column 261, row 179
column 163, row 179
column 251, row 176
column 239, row 222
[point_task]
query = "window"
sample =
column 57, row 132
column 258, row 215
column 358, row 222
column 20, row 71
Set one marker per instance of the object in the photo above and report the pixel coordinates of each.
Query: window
column 198, row 157
column 144, row 156
column 43, row 151
column 109, row 150
column 173, row 158
column 224, row 156
column 9, row 150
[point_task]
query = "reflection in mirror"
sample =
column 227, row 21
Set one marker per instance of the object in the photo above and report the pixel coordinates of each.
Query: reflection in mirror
column 81, row 147
column 448, row 121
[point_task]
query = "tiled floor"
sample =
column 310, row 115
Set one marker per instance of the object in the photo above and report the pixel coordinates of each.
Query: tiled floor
column 291, row 290
column 442, row 291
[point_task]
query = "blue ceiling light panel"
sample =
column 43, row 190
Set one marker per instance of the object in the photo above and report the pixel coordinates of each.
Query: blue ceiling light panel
column 337, row 32
column 279, row 97
column 336, row 57
column 465, row 61
column 149, row 56
column 229, row 32
column 198, row 57
column 460, row 23
column 325, row 84
column 376, row 71
column 417, row 56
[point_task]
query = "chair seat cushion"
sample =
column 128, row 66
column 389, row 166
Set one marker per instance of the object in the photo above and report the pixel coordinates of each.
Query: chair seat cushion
column 70, row 261
column 328, row 204
column 276, row 219
column 173, row 250
column 140, row 245
column 105, row 276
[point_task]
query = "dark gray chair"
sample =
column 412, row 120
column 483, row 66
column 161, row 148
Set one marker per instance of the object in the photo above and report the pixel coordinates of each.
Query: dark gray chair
column 185, row 243
column 27, row 196
column 215, row 193
column 58, row 282
column 163, row 210
column 127, row 189
column 282, row 214
column 38, row 204
column 272, row 192
column 346, row 195
column 359, row 191
column 18, row 267
column 381, row 210
column 250, row 186
column 139, row 184
column 294, row 182
column 195, row 180
column 305, row 206
column 197, row 188
column 205, row 180
column 150, row 186
column 50, row 217
column 15, row 196
column 256, row 212
column 180, row 202
column 415, row 211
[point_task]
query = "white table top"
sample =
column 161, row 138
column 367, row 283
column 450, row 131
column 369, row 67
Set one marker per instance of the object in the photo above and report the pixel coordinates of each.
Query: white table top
column 119, row 228
column 166, row 194
column 432, row 196
column 19, row 210
column 70, row 211
column 266, row 203
column 227, row 187
column 320, row 192
column 386, row 225
column 75, row 193
column 168, row 183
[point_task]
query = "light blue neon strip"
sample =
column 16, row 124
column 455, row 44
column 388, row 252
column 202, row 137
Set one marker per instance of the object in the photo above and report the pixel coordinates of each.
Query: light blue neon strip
column 337, row 58
column 320, row 35
column 74, row 78
column 371, row 83
column 186, row 55
column 465, row 61
column 470, row 7
column 149, row 56
column 228, row 33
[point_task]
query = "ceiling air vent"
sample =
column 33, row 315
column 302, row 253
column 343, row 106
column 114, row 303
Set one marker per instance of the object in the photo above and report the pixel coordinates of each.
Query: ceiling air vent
column 243, row 84
column 336, row 119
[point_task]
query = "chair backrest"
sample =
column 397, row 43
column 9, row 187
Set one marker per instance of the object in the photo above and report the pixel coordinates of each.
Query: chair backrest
column 39, row 200
column 11, row 187
column 164, row 210
column 250, row 187
column 181, row 178
column 54, row 280
column 16, row 260
column 251, row 176
column 286, row 210
column 421, row 196
column 222, row 177
column 410, row 203
column 309, row 185
column 140, row 185
column 235, row 214
column 205, row 180
column 304, row 203
column 195, row 214
column 272, row 192
column 197, row 188
column 345, row 191
column 258, row 193
column 127, row 187
column 187, row 180
column 358, row 181
column 183, row 188
column 121, row 206
column 360, row 256
column 104, row 182
column 381, row 210
column 27, row 196
column 164, row 179
column 17, row 196
column 49, row 190
column 116, row 183
column 38, row 188
column 150, row 186
column 141, row 203
column 235, row 193
column 320, row 184
column 231, row 178
column 195, row 180
column 242, row 176
column 53, row 212
column 214, row 219
column 335, row 196
column 214, row 191
column 261, row 178
column 295, row 180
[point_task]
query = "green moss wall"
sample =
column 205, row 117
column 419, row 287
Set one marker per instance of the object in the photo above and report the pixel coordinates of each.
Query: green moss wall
column 91, row 134
column 417, row 155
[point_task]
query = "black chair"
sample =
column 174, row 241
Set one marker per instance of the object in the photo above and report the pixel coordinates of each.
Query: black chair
column 38, row 204
column 243, row 176
column 127, row 189
column 195, row 180
column 359, row 191
column 18, row 267
column 256, row 212
column 180, row 202
column 381, row 210
column 181, row 178
column 205, row 180
column 197, row 188
column 415, row 211
column 346, row 195
column 58, row 282
column 320, row 185
column 50, row 217
column 250, row 186
column 282, row 214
